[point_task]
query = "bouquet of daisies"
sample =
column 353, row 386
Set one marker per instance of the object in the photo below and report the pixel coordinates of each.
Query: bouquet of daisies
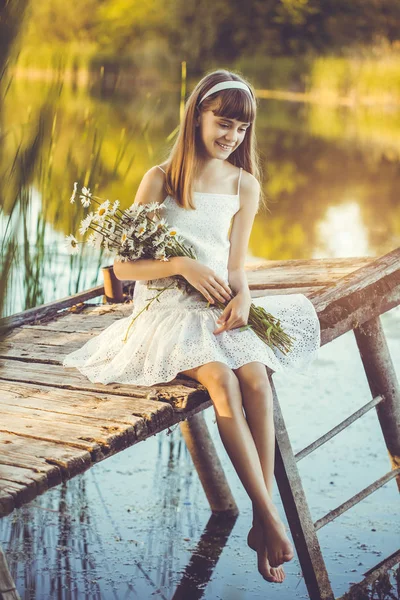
column 140, row 232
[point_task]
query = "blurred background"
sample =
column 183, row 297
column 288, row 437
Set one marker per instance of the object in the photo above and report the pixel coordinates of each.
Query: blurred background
column 92, row 91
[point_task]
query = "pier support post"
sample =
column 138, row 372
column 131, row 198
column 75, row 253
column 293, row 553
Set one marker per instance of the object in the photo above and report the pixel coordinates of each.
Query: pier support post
column 297, row 511
column 382, row 380
column 8, row 591
column 208, row 466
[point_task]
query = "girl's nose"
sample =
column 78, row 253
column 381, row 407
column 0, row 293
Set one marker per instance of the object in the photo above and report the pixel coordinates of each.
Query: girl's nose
column 231, row 137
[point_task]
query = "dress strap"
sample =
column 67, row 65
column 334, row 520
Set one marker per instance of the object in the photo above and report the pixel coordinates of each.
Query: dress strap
column 240, row 176
column 161, row 168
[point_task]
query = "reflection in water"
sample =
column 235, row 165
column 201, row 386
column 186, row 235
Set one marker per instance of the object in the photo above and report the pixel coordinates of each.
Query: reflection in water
column 342, row 232
column 56, row 545
column 316, row 159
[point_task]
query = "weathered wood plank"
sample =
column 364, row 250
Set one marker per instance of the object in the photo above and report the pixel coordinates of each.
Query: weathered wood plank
column 28, row 461
column 177, row 392
column 359, row 297
column 37, row 352
column 39, row 335
column 79, row 431
column 55, row 461
column 50, row 308
column 317, row 272
column 122, row 410
column 71, row 461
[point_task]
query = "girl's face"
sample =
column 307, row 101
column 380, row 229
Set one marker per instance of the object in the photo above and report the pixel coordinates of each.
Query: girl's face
column 220, row 136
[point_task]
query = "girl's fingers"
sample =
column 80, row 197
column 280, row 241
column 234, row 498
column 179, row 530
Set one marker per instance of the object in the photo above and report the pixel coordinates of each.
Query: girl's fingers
column 224, row 287
column 206, row 294
column 215, row 292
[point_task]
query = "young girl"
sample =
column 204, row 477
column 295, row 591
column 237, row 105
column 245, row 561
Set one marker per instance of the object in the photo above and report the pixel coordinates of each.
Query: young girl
column 208, row 188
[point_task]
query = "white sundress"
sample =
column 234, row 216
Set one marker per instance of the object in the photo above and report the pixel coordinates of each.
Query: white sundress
column 176, row 333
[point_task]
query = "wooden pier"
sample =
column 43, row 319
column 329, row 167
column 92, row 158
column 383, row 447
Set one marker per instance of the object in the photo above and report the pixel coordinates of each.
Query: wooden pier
column 95, row 421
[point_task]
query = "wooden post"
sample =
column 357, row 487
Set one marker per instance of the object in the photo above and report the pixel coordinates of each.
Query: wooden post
column 382, row 380
column 8, row 591
column 297, row 511
column 208, row 466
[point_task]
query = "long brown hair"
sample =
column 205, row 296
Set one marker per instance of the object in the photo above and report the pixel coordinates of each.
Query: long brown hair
column 231, row 103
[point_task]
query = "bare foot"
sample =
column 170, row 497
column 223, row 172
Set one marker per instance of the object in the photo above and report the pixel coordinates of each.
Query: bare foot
column 279, row 547
column 256, row 542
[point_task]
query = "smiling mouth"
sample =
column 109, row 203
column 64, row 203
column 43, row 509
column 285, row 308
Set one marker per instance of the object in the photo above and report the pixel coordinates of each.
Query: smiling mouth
column 224, row 147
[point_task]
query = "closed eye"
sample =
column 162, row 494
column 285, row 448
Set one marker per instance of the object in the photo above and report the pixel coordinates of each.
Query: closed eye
column 224, row 125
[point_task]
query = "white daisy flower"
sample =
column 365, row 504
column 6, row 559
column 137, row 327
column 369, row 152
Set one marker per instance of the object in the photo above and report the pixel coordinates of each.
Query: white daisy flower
column 94, row 240
column 71, row 244
column 72, row 199
column 85, row 223
column 141, row 229
column 161, row 223
column 115, row 207
column 85, row 197
column 172, row 232
column 160, row 255
column 135, row 209
column 124, row 236
column 152, row 206
column 103, row 209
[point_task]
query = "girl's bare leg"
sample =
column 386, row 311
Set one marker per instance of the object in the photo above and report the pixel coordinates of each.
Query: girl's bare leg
column 224, row 389
column 258, row 405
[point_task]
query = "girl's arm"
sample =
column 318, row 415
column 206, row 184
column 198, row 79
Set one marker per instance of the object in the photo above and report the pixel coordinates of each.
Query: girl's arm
column 151, row 189
column 240, row 234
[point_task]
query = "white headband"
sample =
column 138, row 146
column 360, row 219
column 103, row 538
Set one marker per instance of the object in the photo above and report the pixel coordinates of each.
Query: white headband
column 225, row 85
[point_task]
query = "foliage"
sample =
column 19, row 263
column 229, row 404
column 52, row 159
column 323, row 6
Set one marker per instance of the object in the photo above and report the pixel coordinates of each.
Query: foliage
column 216, row 29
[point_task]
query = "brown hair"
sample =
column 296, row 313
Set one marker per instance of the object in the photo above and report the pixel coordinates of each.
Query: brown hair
column 231, row 103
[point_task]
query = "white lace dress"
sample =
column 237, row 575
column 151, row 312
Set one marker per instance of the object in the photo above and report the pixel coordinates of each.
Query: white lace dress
column 176, row 333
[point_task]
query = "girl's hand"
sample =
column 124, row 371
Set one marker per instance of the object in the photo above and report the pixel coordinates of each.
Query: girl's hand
column 235, row 313
column 205, row 280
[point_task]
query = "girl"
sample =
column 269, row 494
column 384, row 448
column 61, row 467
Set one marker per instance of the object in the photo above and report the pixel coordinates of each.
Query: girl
column 209, row 190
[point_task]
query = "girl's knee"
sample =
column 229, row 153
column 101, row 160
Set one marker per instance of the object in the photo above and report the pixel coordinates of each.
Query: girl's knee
column 222, row 378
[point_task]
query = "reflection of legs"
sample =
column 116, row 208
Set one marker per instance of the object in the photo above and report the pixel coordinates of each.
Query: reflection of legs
column 258, row 405
column 224, row 389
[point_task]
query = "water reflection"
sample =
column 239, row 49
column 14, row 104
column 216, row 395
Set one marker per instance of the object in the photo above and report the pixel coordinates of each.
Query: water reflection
column 331, row 175
column 56, row 546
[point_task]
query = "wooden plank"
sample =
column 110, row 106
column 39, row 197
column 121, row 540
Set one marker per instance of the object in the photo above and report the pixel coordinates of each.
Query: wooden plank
column 81, row 323
column 359, row 297
column 317, row 272
column 180, row 393
column 37, row 352
column 50, row 308
column 69, row 460
column 88, row 433
column 53, row 461
column 122, row 410
column 27, row 461
column 39, row 335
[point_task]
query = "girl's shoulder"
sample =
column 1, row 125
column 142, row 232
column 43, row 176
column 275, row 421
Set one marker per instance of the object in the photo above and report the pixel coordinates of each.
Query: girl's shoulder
column 151, row 188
